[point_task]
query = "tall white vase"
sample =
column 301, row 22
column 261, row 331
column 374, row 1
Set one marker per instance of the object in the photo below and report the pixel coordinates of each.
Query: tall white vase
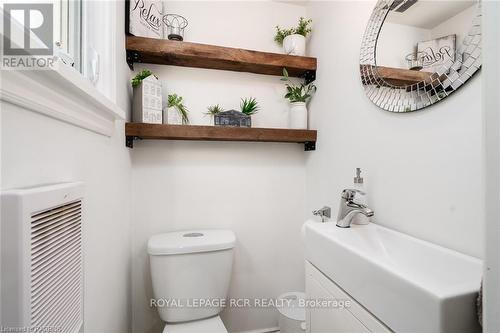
column 298, row 115
column 295, row 45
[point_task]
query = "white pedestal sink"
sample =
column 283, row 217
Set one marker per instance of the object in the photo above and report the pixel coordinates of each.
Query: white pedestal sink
column 408, row 284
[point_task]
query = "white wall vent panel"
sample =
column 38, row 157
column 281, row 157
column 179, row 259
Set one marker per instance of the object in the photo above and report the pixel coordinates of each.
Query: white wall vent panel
column 42, row 258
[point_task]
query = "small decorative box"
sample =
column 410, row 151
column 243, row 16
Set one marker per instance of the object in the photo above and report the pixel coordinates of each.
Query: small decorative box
column 232, row 118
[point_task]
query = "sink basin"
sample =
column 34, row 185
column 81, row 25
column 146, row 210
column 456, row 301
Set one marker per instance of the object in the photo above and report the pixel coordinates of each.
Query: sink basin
column 409, row 284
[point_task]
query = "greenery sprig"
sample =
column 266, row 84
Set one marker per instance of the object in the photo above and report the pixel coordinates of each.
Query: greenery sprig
column 282, row 33
column 175, row 101
column 212, row 110
column 303, row 28
column 136, row 80
column 249, row 106
column 297, row 93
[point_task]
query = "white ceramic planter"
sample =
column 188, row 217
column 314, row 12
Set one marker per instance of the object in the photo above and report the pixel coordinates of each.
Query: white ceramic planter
column 298, row 115
column 295, row 45
column 172, row 116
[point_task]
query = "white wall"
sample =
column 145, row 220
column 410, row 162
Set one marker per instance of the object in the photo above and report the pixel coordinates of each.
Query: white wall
column 459, row 24
column 491, row 104
column 255, row 189
column 423, row 170
column 396, row 41
column 36, row 150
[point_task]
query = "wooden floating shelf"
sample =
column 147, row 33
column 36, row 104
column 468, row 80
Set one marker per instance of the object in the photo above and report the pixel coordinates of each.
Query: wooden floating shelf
column 135, row 131
column 399, row 76
column 168, row 52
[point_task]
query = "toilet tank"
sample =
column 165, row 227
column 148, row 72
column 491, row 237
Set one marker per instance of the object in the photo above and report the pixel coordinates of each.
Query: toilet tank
column 190, row 272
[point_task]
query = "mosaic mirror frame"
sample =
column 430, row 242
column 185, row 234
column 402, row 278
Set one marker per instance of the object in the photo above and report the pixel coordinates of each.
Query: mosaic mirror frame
column 407, row 98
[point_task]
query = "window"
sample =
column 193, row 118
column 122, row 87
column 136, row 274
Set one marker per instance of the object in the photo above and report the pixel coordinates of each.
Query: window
column 80, row 89
column 68, row 32
column 81, row 43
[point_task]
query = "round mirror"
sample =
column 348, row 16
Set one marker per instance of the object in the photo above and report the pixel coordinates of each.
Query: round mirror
column 417, row 52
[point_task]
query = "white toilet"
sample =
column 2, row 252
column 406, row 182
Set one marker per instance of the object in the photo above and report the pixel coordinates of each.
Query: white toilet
column 189, row 267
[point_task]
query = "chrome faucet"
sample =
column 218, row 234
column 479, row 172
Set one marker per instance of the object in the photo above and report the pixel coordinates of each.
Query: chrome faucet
column 349, row 208
column 325, row 213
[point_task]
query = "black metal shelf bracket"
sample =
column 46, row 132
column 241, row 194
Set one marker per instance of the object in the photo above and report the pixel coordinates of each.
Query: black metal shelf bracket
column 129, row 140
column 310, row 76
column 309, row 145
column 132, row 56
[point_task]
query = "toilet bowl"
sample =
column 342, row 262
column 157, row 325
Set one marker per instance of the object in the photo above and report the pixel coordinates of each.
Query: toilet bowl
column 210, row 325
column 186, row 267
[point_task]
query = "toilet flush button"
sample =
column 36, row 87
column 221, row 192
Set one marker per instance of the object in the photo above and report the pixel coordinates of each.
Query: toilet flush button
column 193, row 234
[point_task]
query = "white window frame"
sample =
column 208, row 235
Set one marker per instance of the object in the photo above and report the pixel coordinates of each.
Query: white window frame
column 64, row 93
column 101, row 38
column 67, row 28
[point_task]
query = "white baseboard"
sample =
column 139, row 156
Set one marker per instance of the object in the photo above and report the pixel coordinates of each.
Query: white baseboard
column 264, row 330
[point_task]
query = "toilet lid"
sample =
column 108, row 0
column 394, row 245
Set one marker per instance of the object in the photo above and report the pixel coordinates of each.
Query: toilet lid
column 210, row 325
column 191, row 241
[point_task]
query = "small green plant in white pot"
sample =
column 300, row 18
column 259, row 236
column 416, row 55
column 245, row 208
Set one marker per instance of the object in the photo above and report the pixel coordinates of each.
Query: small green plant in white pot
column 176, row 112
column 297, row 95
column 293, row 40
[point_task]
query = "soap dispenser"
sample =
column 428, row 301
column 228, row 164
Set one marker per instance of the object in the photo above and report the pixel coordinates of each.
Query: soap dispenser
column 360, row 198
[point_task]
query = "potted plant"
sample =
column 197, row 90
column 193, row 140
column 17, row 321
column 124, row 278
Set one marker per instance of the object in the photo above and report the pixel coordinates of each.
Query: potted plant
column 146, row 104
column 137, row 79
column 176, row 112
column 293, row 40
column 248, row 107
column 213, row 110
column 298, row 95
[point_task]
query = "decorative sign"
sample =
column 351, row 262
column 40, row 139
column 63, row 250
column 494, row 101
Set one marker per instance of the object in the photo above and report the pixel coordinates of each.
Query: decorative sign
column 437, row 51
column 146, row 18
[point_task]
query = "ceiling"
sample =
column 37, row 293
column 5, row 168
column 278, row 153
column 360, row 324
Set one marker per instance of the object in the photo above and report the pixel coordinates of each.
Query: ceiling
column 428, row 14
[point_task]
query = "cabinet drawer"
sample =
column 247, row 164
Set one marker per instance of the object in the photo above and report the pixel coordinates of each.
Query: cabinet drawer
column 351, row 318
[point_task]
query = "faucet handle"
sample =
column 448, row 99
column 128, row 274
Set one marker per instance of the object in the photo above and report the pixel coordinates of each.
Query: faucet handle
column 325, row 212
column 350, row 193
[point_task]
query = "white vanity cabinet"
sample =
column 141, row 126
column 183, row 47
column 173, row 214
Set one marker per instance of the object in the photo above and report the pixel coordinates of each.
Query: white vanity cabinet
column 332, row 318
column 406, row 283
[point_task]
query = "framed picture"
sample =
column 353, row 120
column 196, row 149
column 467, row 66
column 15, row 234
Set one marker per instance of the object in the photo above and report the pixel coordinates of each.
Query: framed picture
column 437, row 52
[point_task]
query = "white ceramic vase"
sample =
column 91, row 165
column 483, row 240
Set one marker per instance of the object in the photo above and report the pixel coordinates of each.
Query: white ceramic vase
column 295, row 45
column 298, row 115
column 172, row 116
